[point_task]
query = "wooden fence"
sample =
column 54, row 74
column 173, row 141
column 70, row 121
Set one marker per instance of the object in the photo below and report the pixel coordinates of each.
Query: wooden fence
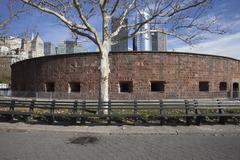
column 135, row 112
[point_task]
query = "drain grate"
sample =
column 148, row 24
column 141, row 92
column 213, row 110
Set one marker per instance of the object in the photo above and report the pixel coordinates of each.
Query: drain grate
column 83, row 140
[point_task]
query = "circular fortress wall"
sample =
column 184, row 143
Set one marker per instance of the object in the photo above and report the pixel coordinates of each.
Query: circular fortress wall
column 134, row 75
column 5, row 70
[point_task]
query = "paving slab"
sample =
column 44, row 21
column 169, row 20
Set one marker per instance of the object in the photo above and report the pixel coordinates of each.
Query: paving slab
column 46, row 145
column 125, row 129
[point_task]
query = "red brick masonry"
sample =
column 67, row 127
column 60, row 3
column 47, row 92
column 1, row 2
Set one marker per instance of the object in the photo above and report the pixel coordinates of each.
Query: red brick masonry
column 181, row 73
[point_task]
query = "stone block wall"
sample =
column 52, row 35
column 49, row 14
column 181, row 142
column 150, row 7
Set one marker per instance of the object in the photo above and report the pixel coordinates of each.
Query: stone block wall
column 5, row 69
column 181, row 73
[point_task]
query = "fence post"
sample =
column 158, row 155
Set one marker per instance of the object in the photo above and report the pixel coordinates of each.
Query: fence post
column 75, row 105
column 31, row 108
column 83, row 112
column 198, row 118
column 221, row 111
column 162, row 119
column 109, row 112
column 12, row 105
column 11, row 109
column 52, row 111
column 99, row 109
column 188, row 121
column 135, row 112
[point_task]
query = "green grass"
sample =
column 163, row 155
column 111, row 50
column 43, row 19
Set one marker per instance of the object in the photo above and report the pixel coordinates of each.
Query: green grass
column 147, row 114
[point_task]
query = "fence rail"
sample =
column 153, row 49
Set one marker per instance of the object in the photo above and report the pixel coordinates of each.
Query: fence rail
column 137, row 111
column 143, row 95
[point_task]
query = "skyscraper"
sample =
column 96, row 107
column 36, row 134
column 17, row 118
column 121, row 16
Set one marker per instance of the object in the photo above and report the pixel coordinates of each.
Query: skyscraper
column 48, row 48
column 148, row 41
column 123, row 44
column 68, row 47
column 159, row 41
column 143, row 42
column 37, row 47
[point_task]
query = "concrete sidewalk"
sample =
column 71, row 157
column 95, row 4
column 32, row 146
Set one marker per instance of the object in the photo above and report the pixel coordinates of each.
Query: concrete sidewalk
column 125, row 129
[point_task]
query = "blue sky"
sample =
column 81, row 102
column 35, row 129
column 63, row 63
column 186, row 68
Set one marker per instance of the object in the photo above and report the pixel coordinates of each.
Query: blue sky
column 228, row 44
column 226, row 10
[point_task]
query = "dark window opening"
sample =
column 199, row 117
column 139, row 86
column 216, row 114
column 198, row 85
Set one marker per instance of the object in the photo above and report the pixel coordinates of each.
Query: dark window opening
column 157, row 86
column 204, row 86
column 235, row 87
column 74, row 87
column 126, row 86
column 235, row 90
column 223, row 86
column 49, row 87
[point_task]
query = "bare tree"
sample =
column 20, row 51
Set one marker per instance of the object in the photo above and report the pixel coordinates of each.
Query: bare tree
column 10, row 13
column 183, row 19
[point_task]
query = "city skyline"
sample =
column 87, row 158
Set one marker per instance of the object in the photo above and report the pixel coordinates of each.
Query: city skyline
column 150, row 40
column 23, row 48
column 68, row 47
column 225, row 45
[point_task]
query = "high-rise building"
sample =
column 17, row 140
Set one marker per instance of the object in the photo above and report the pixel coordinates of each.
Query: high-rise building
column 159, row 41
column 61, row 48
column 78, row 47
column 12, row 43
column 37, row 47
column 123, row 44
column 17, row 49
column 49, row 48
column 149, row 41
column 68, row 47
column 143, row 42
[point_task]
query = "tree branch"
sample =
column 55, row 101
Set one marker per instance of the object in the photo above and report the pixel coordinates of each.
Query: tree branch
column 85, row 22
column 122, row 19
column 114, row 7
column 12, row 14
column 175, row 11
column 52, row 12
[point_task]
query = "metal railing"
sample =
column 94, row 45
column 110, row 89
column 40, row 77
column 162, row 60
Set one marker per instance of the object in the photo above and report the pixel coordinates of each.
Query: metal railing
column 110, row 112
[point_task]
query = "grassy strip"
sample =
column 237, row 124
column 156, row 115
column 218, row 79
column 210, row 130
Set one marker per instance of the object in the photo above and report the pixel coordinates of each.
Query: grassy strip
column 147, row 114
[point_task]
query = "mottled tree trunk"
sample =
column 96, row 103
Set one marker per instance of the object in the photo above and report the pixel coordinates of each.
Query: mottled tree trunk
column 104, row 78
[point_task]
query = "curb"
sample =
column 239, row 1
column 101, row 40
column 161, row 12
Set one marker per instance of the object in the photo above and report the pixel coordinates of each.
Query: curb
column 124, row 130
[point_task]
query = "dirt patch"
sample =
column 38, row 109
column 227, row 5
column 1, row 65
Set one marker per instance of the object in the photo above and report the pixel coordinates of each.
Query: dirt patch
column 83, row 140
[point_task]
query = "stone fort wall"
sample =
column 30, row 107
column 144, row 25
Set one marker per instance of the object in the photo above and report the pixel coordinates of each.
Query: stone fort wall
column 5, row 69
column 181, row 74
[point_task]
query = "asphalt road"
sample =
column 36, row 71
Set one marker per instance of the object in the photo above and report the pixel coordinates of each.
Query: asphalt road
column 40, row 145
